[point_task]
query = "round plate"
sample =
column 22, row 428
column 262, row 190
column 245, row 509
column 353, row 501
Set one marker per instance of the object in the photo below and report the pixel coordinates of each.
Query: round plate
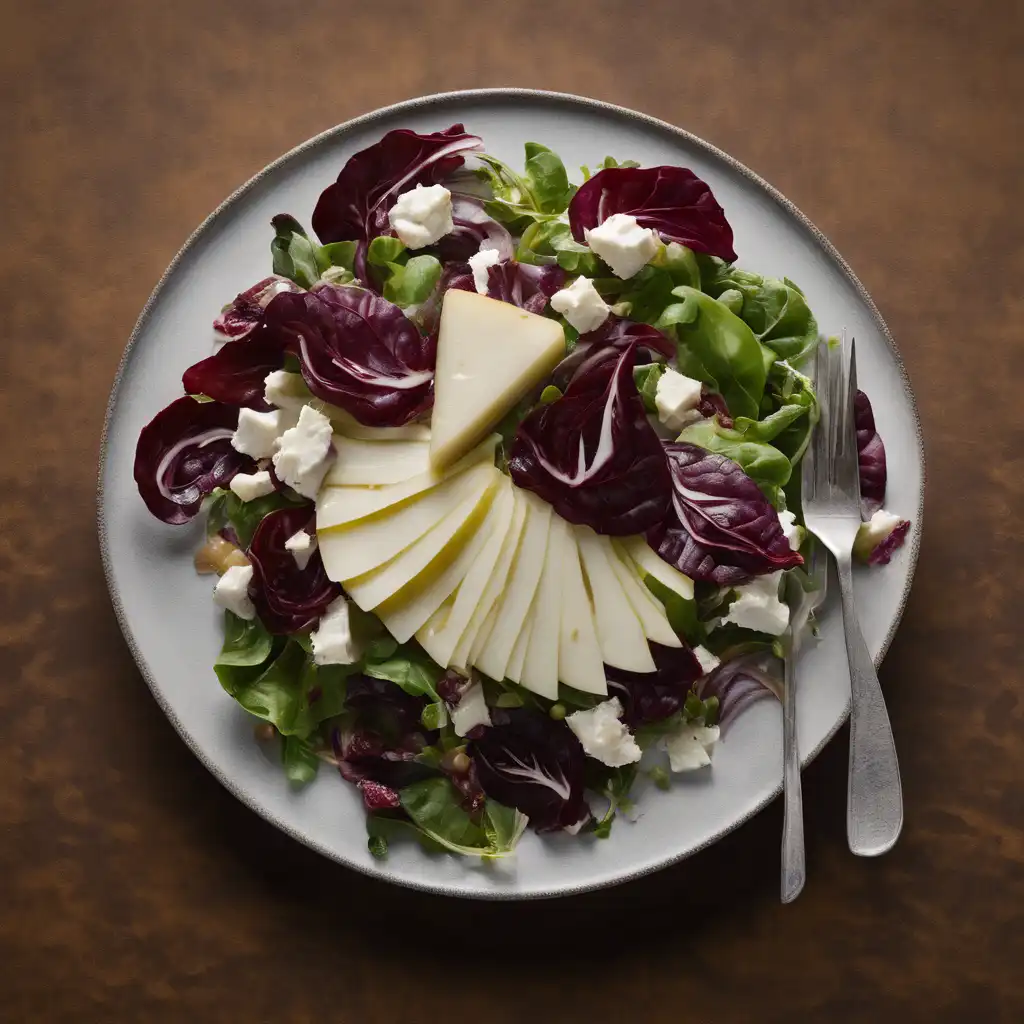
column 174, row 631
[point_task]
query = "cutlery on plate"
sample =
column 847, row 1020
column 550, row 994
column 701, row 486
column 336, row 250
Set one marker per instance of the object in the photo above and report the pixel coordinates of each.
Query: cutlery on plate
column 803, row 595
column 831, row 506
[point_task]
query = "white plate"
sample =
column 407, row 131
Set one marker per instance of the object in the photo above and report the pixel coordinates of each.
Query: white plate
column 174, row 631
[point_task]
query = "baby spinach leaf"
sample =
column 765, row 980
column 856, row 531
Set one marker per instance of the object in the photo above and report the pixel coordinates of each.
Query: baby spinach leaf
column 246, row 642
column 551, row 241
column 299, row 760
column 434, row 807
column 384, row 249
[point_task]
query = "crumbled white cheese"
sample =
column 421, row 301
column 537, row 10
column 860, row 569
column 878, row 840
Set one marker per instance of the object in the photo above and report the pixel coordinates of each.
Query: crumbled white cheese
column 603, row 736
column 676, row 398
column 581, row 304
column 874, row 531
column 257, row 432
column 249, row 486
column 471, row 710
column 623, row 244
column 794, row 534
column 232, row 591
column 708, row 661
column 333, row 643
column 301, row 545
column 304, row 453
column 480, row 264
column 422, row 215
column 757, row 606
column 286, row 390
column 690, row 746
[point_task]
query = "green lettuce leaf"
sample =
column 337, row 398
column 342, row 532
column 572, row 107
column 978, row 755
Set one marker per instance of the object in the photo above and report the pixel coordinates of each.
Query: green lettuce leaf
column 648, row 293
column 411, row 668
column 227, row 509
column 294, row 255
column 412, row 283
column 763, row 463
column 717, row 348
column 605, row 164
column 551, row 241
column 775, row 310
column 546, row 179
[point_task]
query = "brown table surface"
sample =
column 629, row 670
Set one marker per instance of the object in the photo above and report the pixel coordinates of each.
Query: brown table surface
column 134, row 888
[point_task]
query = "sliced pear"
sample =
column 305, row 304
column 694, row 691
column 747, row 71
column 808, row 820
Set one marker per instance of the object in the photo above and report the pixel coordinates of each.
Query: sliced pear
column 337, row 506
column 516, row 598
column 514, row 669
column 376, row 587
column 648, row 608
column 579, row 654
column 443, row 630
column 481, row 619
column 489, row 354
column 349, row 426
column 540, row 667
column 652, row 564
column 407, row 610
column 376, row 463
column 619, row 633
column 356, row 549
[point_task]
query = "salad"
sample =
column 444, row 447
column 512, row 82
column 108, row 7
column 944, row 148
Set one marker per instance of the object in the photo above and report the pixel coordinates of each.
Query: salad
column 499, row 477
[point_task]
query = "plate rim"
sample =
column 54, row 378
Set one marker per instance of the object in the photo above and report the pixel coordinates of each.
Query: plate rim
column 494, row 94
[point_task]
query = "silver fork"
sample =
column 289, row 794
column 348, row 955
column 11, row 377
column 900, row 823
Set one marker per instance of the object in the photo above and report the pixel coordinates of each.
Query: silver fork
column 831, row 506
column 803, row 600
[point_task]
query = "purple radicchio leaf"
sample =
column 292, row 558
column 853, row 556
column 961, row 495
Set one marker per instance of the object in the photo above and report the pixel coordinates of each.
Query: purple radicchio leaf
column 740, row 682
column 593, row 455
column 236, row 373
column 886, row 548
column 524, row 285
column 183, row 454
column 671, row 200
column 615, row 333
column 358, row 351
column 355, row 207
column 529, row 761
column 474, row 231
column 382, row 736
column 871, row 456
column 723, row 529
column 648, row 697
column 245, row 311
column 288, row 599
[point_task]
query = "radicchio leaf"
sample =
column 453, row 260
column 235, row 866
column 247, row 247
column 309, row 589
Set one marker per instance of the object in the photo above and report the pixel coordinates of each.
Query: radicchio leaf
column 648, row 697
column 593, row 455
column 475, row 230
column 358, row 351
column 870, row 456
column 235, row 375
column 240, row 316
column 529, row 761
column 288, row 599
column 740, row 682
column 724, row 530
column 185, row 453
column 524, row 285
column 882, row 552
column 355, row 207
column 381, row 737
column 616, row 333
column 671, row 200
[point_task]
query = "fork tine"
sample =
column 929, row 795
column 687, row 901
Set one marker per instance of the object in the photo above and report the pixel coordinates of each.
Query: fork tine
column 846, row 473
column 817, row 471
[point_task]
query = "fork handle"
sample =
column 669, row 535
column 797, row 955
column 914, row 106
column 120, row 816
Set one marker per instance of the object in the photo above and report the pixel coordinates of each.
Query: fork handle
column 874, row 806
column 794, row 868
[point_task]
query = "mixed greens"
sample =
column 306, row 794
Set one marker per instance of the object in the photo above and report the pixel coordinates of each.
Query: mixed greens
column 348, row 325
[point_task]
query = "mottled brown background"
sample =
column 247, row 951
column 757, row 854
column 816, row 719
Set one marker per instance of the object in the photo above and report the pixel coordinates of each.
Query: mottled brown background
column 134, row 888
